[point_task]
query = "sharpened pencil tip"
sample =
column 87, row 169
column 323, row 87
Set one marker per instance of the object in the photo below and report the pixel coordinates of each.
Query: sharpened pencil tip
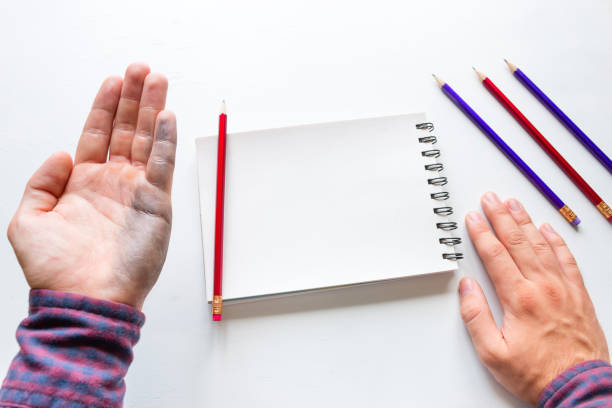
column 438, row 80
column 223, row 107
column 480, row 74
column 510, row 65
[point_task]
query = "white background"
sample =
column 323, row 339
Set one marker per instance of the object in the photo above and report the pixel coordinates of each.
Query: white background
column 293, row 62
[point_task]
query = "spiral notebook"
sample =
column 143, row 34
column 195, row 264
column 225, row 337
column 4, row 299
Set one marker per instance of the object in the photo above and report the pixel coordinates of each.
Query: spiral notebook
column 327, row 205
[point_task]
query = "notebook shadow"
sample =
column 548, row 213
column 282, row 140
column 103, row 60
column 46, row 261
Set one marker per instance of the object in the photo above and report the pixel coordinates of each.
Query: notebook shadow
column 388, row 291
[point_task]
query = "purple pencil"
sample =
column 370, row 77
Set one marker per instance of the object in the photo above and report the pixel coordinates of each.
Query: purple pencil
column 580, row 135
column 567, row 213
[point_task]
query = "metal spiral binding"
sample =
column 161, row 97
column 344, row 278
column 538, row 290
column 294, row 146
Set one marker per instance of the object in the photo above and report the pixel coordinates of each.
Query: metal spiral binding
column 447, row 226
column 428, row 139
column 434, row 167
column 425, row 126
column 453, row 256
column 431, row 153
column 438, row 181
column 450, row 241
column 439, row 195
column 443, row 210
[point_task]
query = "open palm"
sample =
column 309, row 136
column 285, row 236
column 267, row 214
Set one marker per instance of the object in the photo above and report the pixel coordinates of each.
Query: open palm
column 101, row 227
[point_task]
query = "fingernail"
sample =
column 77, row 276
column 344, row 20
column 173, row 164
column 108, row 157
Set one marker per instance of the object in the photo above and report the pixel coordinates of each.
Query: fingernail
column 491, row 198
column 473, row 217
column 466, row 285
column 546, row 227
column 514, row 205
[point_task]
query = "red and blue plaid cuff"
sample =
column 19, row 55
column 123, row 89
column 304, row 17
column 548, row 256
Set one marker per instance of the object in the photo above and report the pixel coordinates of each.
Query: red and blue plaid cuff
column 74, row 352
column 587, row 384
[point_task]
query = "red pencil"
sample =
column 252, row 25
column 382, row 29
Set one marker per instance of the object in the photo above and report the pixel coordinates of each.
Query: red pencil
column 217, row 303
column 603, row 208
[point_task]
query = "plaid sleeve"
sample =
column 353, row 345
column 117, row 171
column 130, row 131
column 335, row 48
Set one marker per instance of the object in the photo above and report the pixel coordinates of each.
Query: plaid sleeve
column 74, row 353
column 585, row 385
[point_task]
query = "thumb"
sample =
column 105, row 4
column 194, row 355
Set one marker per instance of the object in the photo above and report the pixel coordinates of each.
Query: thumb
column 47, row 184
column 476, row 314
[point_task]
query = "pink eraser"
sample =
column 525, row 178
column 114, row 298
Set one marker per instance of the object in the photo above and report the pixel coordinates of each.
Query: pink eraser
column 216, row 318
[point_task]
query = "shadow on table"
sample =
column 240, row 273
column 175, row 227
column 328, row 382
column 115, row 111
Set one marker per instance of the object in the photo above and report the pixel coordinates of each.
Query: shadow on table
column 386, row 291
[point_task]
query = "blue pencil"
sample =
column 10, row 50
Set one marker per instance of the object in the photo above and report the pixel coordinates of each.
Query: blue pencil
column 567, row 213
column 580, row 135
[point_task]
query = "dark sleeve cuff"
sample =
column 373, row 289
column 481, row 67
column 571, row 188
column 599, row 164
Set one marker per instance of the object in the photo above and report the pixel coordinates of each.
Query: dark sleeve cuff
column 74, row 352
column 585, row 385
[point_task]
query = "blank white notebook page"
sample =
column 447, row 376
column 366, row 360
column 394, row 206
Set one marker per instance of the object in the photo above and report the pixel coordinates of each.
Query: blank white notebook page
column 320, row 205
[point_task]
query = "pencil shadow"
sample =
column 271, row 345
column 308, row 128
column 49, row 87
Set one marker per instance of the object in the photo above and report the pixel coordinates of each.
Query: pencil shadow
column 388, row 291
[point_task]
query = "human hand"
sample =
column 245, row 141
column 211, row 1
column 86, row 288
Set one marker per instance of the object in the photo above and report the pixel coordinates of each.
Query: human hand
column 101, row 227
column 549, row 322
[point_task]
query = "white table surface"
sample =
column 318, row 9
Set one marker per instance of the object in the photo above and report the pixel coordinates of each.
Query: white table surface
column 282, row 63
